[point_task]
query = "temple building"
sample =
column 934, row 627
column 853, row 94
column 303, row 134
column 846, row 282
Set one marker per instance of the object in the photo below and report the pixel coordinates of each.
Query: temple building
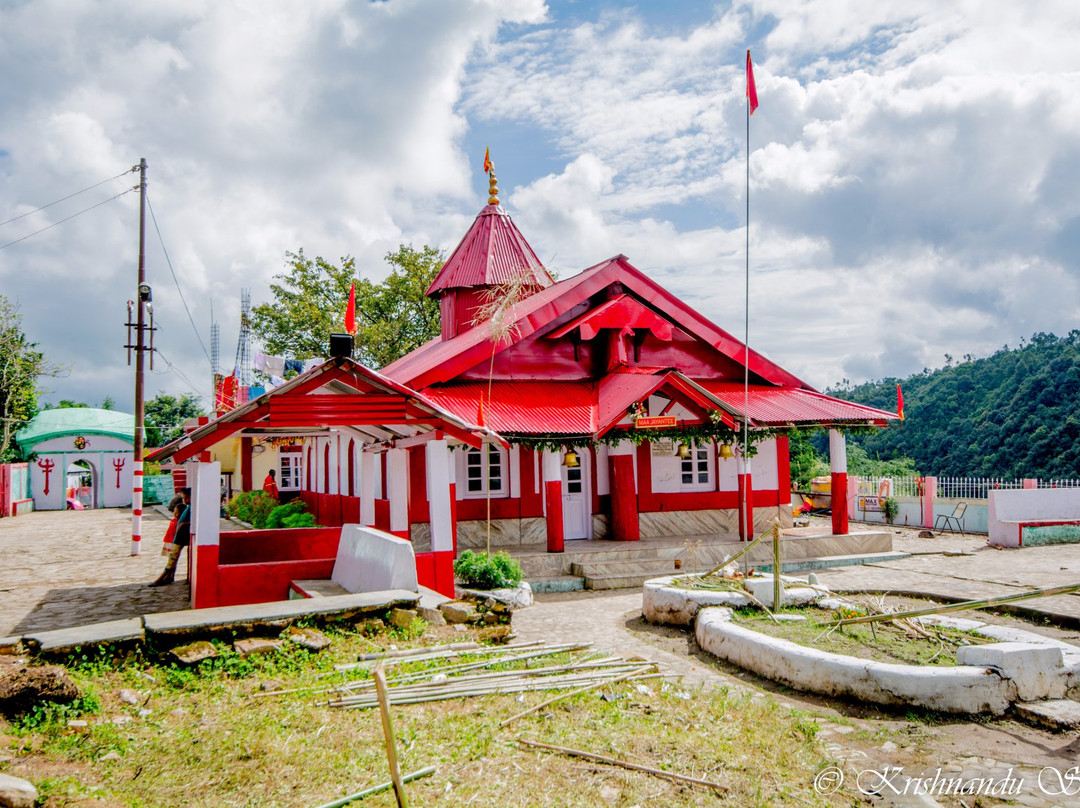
column 599, row 407
column 624, row 406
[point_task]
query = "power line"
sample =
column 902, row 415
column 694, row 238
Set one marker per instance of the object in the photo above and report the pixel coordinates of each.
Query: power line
column 69, row 218
column 70, row 196
column 179, row 373
column 177, row 282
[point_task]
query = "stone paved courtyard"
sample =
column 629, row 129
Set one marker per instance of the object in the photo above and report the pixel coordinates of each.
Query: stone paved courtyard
column 60, row 569
column 68, row 568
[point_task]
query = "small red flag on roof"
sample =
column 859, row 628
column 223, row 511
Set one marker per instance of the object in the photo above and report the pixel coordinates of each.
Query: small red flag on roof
column 480, row 417
column 487, row 160
column 899, row 402
column 350, row 310
column 751, row 88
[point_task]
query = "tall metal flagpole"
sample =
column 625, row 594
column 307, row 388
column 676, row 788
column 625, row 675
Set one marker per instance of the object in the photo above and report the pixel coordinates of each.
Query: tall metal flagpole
column 747, row 521
column 140, row 302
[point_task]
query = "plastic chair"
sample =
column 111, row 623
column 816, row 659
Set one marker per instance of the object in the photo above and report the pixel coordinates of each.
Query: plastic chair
column 955, row 518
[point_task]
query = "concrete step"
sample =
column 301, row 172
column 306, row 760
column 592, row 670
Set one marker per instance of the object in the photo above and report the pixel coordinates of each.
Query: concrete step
column 1061, row 715
column 824, row 562
column 557, row 583
column 654, row 566
column 542, row 563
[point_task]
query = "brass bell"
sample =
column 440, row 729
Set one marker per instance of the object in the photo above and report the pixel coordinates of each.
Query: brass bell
column 725, row 451
column 570, row 459
column 683, row 452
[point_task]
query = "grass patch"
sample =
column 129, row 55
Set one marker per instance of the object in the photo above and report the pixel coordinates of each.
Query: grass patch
column 881, row 642
column 198, row 736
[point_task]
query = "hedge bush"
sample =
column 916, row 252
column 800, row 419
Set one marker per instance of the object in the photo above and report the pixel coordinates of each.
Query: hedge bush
column 277, row 517
column 253, row 507
column 483, row 571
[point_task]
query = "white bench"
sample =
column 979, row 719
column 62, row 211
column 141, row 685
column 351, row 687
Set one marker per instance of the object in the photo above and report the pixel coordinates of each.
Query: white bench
column 1015, row 513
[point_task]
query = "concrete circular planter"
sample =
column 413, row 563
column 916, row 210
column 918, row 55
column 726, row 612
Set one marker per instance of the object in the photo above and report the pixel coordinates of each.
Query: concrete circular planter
column 1021, row 666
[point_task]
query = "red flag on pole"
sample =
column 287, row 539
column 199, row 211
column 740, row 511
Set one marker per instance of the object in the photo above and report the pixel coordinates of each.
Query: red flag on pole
column 899, row 402
column 487, row 161
column 350, row 311
column 751, row 88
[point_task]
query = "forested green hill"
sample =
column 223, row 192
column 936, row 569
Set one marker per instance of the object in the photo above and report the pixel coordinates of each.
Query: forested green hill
column 1013, row 414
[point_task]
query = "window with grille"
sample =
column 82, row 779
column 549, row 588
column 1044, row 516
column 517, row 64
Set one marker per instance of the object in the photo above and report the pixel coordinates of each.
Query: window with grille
column 485, row 472
column 697, row 469
column 290, row 471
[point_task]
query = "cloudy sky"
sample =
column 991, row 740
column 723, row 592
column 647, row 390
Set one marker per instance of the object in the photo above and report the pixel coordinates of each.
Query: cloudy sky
column 914, row 165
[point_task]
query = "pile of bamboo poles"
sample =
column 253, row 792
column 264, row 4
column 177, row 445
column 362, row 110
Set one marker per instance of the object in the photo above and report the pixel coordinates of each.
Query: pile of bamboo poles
column 469, row 675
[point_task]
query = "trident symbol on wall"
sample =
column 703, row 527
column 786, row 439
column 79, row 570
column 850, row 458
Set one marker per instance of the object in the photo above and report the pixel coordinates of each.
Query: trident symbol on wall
column 118, row 463
column 47, row 467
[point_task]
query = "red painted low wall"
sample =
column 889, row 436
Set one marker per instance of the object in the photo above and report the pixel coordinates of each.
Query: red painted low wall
column 330, row 510
column 265, row 582
column 350, row 510
column 436, row 571
column 289, row 544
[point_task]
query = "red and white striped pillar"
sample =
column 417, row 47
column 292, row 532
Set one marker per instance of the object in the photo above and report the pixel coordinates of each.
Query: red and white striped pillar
column 746, row 499
column 839, row 488
column 136, row 507
column 441, row 511
column 553, row 504
column 205, row 533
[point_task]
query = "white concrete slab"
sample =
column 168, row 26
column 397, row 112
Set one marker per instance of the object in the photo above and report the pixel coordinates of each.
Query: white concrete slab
column 370, row 560
column 68, row 639
column 194, row 621
column 1036, row 670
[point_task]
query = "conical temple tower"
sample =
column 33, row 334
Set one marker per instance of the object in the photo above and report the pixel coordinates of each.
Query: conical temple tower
column 492, row 253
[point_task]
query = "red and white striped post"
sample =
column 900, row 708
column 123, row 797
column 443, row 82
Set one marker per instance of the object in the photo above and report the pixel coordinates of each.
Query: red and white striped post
column 553, row 501
column 839, row 487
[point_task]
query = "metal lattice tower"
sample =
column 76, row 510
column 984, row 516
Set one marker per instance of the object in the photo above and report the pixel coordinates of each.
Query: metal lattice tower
column 244, row 357
column 215, row 349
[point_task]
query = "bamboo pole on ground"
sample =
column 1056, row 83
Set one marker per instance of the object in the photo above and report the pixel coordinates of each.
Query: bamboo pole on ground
column 509, row 684
column 388, row 737
column 367, row 792
column 735, row 557
column 457, row 646
column 961, row 607
column 680, row 778
column 561, row 696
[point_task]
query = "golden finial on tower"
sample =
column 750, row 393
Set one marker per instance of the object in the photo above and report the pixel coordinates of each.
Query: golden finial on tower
column 489, row 169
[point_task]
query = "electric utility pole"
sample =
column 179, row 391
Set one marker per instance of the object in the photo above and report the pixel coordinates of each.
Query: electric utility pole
column 142, row 300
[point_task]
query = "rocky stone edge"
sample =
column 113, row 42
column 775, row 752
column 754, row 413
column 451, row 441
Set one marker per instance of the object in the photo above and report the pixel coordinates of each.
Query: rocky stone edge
column 1022, row 667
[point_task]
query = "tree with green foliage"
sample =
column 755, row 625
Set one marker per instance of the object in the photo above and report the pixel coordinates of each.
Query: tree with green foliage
column 808, row 460
column 165, row 416
column 21, row 365
column 393, row 317
column 1012, row 414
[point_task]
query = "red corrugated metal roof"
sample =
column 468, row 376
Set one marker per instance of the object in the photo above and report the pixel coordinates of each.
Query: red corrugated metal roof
column 492, row 252
column 780, row 405
column 619, row 390
column 440, row 361
column 558, row 408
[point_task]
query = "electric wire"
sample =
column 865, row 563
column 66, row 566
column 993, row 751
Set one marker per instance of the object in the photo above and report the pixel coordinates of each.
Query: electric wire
column 175, row 280
column 69, row 196
column 69, row 218
column 180, row 374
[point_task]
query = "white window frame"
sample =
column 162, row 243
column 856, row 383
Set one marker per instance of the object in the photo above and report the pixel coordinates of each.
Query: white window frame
column 485, row 455
column 702, row 460
column 290, row 462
